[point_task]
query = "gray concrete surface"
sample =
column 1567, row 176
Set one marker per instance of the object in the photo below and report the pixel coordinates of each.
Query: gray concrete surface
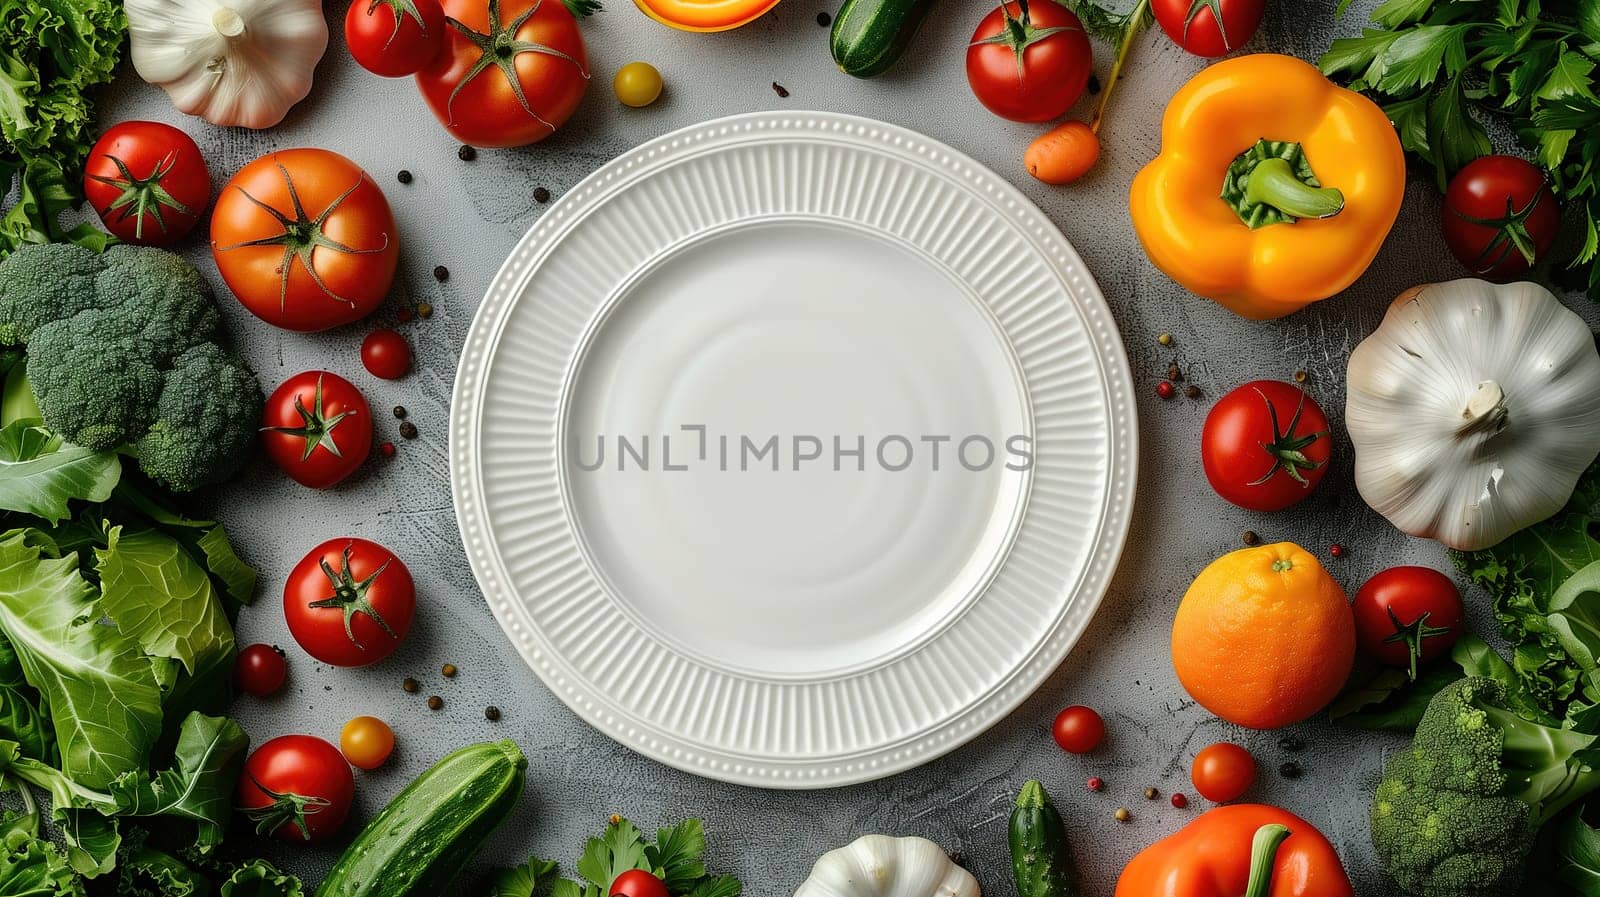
column 468, row 215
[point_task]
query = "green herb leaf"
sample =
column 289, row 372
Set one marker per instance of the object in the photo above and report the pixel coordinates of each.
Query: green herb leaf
column 619, row 849
column 718, row 886
column 676, row 854
column 521, row 881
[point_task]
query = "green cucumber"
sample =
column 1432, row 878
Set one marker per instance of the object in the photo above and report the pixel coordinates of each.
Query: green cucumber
column 432, row 828
column 869, row 35
column 1040, row 859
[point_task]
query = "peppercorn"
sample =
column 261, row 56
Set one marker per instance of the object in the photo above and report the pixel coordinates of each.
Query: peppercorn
column 1093, row 85
column 1165, row 389
column 403, row 177
column 1301, row 376
column 386, row 449
column 1250, row 538
column 824, row 19
column 1122, row 814
column 1164, row 339
column 1095, row 783
column 1336, row 550
column 466, row 153
column 615, row 819
column 541, row 195
column 441, row 273
column 491, row 713
column 780, row 90
column 400, row 412
column 1174, row 373
column 1292, row 743
column 1290, row 770
column 449, row 670
column 408, row 429
column 435, row 702
column 410, row 685
column 1151, row 793
column 1179, row 801
column 424, row 310
column 1191, row 391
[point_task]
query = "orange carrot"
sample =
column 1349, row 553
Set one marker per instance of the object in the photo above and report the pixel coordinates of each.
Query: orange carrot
column 1063, row 154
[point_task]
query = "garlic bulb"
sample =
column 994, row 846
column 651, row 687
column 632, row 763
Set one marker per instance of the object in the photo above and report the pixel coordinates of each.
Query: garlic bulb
column 231, row 62
column 881, row 866
column 1473, row 408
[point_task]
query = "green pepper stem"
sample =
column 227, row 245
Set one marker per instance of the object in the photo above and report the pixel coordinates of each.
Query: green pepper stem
column 1263, row 853
column 1272, row 182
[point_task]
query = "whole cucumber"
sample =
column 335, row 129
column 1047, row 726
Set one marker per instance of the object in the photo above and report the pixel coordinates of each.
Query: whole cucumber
column 1040, row 859
column 869, row 35
column 417, row 844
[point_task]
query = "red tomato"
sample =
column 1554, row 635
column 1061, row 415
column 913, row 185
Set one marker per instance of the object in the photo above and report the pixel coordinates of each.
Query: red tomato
column 147, row 181
column 1209, row 27
column 1029, row 62
column 1222, row 772
column 1078, row 729
column 385, row 354
column 637, row 883
column 1500, row 216
column 1408, row 615
column 305, row 239
column 1265, row 445
column 260, row 670
column 317, row 428
column 511, row 72
column 349, row 602
column 296, row 787
column 394, row 38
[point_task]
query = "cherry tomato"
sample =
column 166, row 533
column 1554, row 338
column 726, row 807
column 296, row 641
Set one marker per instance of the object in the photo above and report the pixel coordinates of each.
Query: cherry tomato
column 1265, row 445
column 1029, row 61
column 1222, row 772
column 317, row 428
column 385, row 354
column 393, row 38
column 1408, row 615
column 510, row 74
column 305, row 239
column 297, row 788
column 147, row 181
column 349, row 602
column 1500, row 216
column 1078, row 729
column 1209, row 27
column 637, row 883
column 637, row 84
column 366, row 742
column 260, row 670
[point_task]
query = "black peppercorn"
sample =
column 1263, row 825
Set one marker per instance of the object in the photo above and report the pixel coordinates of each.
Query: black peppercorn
column 408, row 430
column 435, row 702
column 403, row 177
column 491, row 713
column 780, row 90
column 1290, row 770
column 466, row 153
column 824, row 19
column 400, row 412
column 541, row 195
column 410, row 685
column 441, row 273
column 1250, row 537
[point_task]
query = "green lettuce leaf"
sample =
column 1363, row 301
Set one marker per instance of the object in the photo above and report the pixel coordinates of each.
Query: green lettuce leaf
column 39, row 473
column 99, row 688
column 37, row 869
column 22, row 719
column 259, row 878
column 206, row 764
column 160, row 596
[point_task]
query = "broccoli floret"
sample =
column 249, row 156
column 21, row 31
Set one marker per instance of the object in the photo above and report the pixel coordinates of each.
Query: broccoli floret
column 123, row 354
column 1455, row 815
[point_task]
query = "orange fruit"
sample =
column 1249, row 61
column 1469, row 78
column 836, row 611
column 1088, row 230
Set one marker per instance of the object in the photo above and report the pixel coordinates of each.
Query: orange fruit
column 1264, row 637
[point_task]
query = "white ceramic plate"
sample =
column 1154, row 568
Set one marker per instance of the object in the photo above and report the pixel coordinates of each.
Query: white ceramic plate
column 854, row 305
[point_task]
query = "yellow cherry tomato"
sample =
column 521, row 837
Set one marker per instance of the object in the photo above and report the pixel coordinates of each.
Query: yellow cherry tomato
column 637, row 84
column 366, row 742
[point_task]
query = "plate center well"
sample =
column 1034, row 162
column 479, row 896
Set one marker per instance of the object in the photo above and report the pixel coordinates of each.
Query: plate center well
column 795, row 448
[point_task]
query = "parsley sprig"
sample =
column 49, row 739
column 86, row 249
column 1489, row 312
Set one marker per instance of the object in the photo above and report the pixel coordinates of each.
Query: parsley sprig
column 675, row 857
column 1437, row 65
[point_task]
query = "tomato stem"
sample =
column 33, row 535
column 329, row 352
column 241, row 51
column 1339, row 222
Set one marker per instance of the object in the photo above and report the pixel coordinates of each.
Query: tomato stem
column 286, row 807
column 1286, row 449
column 350, row 596
column 142, row 196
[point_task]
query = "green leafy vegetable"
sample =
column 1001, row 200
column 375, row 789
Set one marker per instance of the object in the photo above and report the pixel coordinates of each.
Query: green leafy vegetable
column 259, row 878
column 521, row 881
column 675, row 857
column 39, row 474
column 209, row 755
column 37, row 869
column 1432, row 63
column 22, row 718
column 155, row 591
column 1577, row 850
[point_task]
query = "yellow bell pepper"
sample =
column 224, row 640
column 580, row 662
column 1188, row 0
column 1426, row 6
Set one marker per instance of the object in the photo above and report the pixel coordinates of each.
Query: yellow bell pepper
column 705, row 15
column 1274, row 187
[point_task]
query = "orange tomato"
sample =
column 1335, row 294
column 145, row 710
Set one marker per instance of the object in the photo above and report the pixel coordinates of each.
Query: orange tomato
column 1264, row 637
column 305, row 239
column 366, row 742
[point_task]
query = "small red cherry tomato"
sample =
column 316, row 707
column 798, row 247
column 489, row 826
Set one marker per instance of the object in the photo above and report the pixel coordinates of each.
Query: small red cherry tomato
column 1029, row 61
column 394, row 38
column 366, row 742
column 386, row 354
column 147, row 181
column 1078, row 729
column 1222, row 772
column 297, row 788
column 317, row 428
column 1209, row 27
column 1407, row 616
column 349, row 602
column 1265, row 445
column 637, row 883
column 1499, row 216
column 260, row 670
